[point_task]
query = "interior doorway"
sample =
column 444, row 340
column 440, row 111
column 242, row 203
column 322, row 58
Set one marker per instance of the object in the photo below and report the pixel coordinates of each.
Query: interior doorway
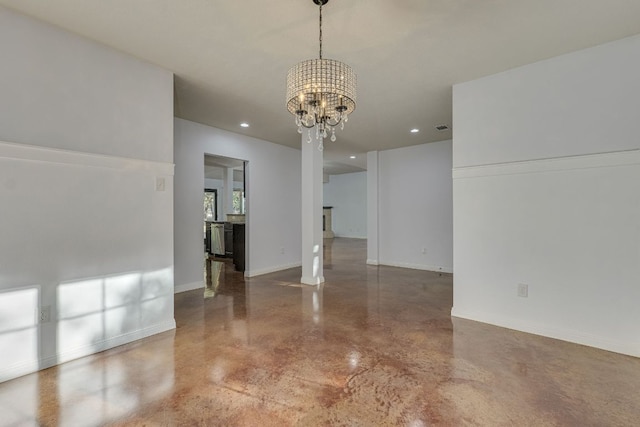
column 225, row 210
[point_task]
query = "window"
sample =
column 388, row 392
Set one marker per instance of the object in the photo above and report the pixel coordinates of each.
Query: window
column 211, row 204
column 238, row 201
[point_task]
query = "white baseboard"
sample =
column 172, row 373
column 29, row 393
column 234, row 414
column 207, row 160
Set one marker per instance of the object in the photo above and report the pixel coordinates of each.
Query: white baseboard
column 188, row 287
column 577, row 337
column 372, row 262
column 18, row 370
column 437, row 269
column 261, row 271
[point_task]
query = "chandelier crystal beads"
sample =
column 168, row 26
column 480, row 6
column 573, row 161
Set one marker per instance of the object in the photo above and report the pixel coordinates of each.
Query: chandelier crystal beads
column 321, row 93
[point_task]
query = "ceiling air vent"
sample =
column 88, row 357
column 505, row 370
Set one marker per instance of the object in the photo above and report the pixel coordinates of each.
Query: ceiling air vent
column 441, row 127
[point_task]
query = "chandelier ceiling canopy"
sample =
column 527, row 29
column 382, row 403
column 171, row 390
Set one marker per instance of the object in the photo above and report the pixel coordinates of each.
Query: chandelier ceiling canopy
column 321, row 93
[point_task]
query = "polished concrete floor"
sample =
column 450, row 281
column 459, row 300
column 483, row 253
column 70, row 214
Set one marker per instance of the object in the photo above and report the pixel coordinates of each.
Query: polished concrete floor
column 374, row 346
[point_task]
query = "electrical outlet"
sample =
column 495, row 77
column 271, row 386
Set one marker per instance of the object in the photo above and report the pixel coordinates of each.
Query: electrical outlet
column 159, row 183
column 424, row 250
column 282, row 250
column 44, row 314
column 523, row 290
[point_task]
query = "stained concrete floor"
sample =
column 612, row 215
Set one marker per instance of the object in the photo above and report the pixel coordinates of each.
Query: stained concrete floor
column 373, row 346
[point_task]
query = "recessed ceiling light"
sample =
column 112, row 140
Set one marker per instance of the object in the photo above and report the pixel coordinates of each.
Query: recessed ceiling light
column 352, row 157
column 415, row 130
column 244, row 125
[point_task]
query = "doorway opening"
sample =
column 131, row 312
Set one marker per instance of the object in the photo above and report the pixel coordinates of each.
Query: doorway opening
column 225, row 210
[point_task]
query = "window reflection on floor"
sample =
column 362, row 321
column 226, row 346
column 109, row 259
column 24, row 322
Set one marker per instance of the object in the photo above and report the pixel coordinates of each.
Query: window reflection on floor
column 226, row 287
column 92, row 391
column 212, row 277
column 19, row 401
column 221, row 279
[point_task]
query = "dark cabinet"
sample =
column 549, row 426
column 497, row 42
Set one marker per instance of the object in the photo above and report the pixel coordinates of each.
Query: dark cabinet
column 228, row 239
column 238, row 246
column 207, row 237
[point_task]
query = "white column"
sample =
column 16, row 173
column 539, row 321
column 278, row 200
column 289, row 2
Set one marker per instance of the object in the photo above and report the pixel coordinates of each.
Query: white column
column 312, row 271
column 372, row 208
column 228, row 193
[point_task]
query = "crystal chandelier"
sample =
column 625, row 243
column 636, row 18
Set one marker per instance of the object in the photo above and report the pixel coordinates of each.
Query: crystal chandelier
column 321, row 93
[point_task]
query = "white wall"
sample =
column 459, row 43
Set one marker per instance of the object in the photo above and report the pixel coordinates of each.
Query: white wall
column 84, row 132
column 347, row 193
column 546, row 194
column 414, row 191
column 63, row 91
column 273, row 200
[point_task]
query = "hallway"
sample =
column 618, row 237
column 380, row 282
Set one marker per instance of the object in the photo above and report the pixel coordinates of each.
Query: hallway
column 373, row 346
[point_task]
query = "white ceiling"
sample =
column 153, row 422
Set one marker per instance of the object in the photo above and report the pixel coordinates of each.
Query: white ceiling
column 231, row 57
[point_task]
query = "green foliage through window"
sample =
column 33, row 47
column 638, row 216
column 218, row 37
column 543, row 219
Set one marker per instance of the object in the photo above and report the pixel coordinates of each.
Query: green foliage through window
column 238, row 201
column 210, row 206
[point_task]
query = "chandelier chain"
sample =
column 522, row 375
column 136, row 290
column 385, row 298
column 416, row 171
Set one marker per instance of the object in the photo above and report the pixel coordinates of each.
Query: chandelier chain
column 320, row 38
